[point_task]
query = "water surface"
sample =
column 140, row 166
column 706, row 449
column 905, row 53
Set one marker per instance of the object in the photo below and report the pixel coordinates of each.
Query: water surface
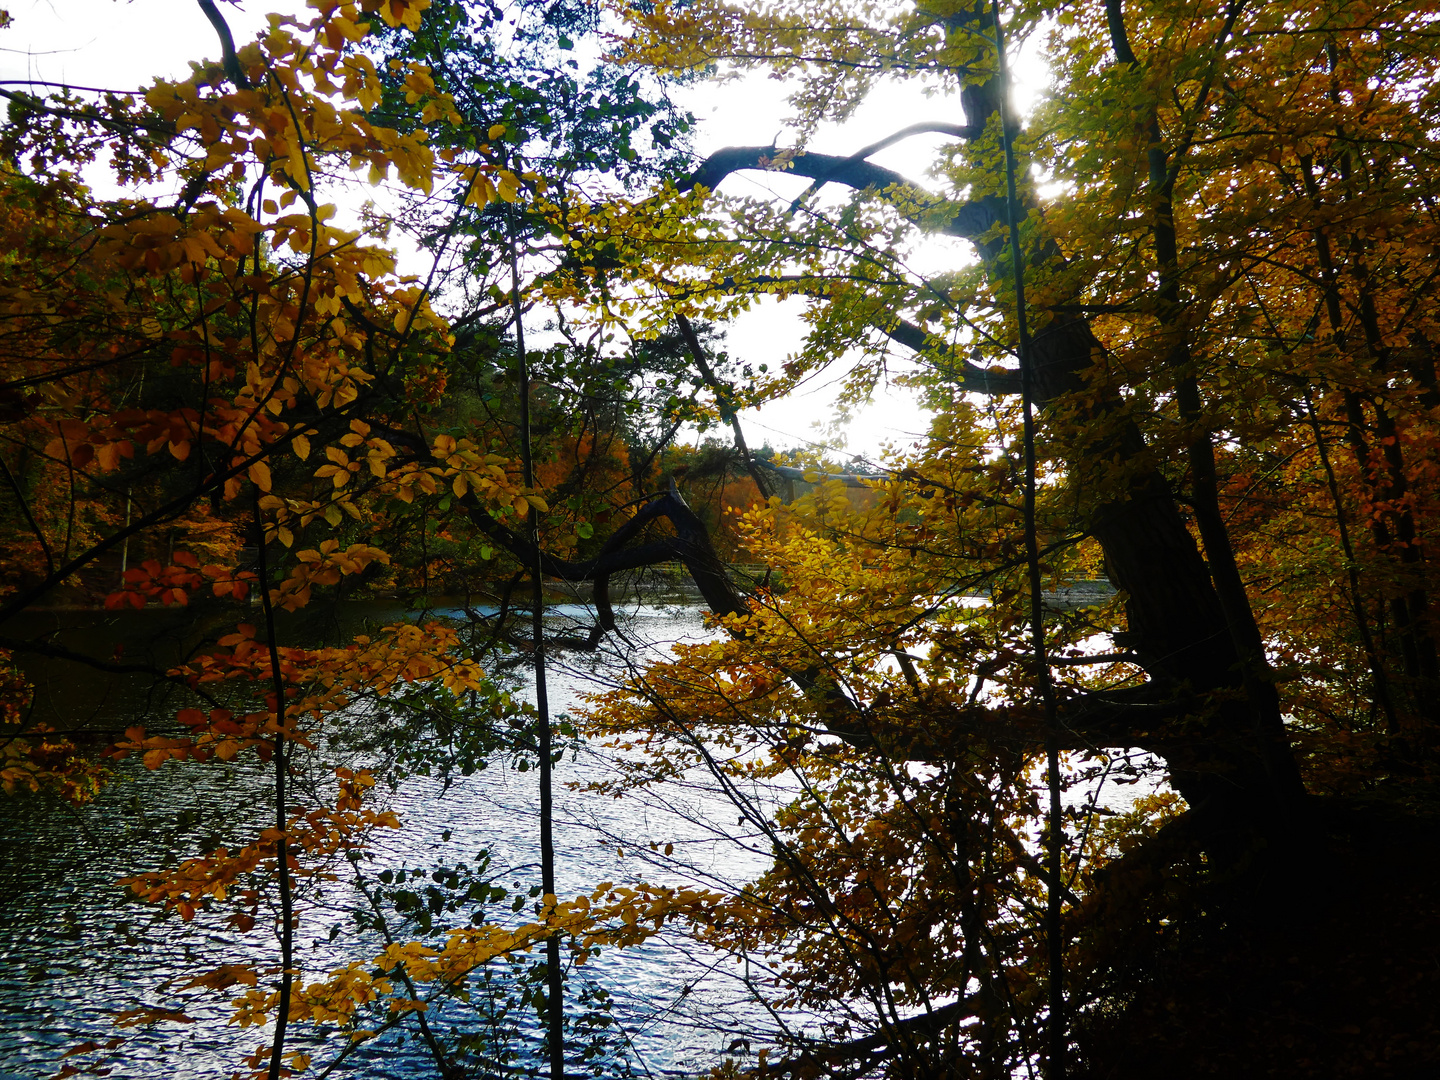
column 77, row 949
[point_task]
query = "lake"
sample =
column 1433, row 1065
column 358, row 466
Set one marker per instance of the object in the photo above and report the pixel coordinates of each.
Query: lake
column 77, row 949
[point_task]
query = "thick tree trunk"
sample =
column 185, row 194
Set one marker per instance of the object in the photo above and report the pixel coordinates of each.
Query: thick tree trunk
column 1232, row 757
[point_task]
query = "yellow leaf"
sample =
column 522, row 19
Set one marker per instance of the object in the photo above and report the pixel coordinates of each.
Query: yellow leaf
column 260, row 475
column 297, row 170
column 481, row 192
column 302, row 447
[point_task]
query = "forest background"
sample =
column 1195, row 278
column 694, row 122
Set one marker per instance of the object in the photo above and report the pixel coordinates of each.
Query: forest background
column 1209, row 378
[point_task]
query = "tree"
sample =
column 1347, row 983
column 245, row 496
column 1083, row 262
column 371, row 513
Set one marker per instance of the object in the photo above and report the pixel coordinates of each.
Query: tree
column 1243, row 377
column 1232, row 352
column 209, row 364
column 201, row 381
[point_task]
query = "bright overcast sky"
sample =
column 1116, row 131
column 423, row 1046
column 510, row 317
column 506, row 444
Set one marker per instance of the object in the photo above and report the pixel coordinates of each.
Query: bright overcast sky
column 115, row 44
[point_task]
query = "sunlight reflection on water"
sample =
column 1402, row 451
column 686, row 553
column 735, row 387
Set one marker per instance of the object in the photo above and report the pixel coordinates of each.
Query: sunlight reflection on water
column 77, row 950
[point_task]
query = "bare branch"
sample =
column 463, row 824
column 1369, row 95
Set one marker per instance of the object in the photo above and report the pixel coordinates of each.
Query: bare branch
column 722, row 402
column 971, row 377
column 853, row 1058
column 959, row 131
column 59, row 652
column 969, row 221
column 231, row 62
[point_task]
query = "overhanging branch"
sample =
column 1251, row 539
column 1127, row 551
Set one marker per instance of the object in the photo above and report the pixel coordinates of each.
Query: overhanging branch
column 36, row 647
column 229, row 60
column 972, row 378
column 970, row 221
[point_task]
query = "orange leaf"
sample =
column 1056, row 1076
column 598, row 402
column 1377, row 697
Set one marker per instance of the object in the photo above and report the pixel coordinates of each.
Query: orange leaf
column 87, row 1047
column 136, row 1017
column 225, row 975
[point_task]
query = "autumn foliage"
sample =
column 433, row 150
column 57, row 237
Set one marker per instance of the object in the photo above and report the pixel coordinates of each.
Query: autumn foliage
column 213, row 393
column 190, row 374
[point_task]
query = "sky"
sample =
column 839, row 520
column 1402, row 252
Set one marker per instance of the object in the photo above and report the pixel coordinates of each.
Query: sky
column 115, row 44
column 752, row 113
column 123, row 44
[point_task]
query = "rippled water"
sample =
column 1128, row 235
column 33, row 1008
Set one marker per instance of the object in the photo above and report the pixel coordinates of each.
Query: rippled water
column 74, row 950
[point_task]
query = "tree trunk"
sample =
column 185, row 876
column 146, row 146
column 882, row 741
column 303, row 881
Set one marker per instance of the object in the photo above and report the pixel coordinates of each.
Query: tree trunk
column 1232, row 757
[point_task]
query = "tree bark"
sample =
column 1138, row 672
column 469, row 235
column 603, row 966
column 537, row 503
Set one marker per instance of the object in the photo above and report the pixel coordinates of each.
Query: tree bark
column 1223, row 758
